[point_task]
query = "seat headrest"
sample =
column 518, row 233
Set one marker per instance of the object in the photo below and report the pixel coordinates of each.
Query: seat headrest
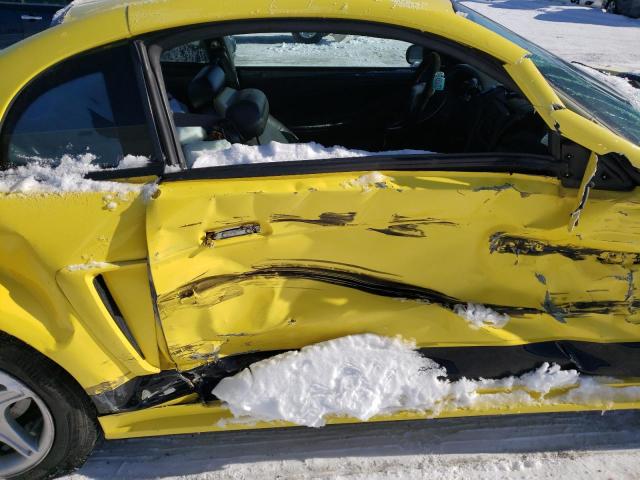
column 205, row 86
column 248, row 111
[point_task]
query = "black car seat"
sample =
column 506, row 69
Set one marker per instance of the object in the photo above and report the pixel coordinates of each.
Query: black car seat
column 209, row 94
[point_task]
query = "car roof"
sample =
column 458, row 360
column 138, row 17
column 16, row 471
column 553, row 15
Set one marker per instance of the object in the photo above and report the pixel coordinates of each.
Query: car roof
column 89, row 24
column 140, row 10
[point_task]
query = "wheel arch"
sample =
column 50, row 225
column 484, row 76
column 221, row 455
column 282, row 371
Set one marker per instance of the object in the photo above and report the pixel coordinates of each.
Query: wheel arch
column 41, row 319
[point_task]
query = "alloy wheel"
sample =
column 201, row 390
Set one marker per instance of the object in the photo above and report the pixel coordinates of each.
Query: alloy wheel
column 26, row 427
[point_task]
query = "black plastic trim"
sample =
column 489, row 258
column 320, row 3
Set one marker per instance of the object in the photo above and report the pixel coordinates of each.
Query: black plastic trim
column 112, row 307
column 482, row 162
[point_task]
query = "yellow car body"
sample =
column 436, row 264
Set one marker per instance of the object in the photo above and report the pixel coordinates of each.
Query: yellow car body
column 492, row 238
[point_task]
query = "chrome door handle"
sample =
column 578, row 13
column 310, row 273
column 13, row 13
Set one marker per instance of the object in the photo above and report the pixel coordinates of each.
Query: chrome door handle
column 30, row 18
column 231, row 232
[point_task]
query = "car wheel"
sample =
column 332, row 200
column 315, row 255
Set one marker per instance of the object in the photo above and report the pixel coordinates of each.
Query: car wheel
column 611, row 6
column 47, row 423
column 308, row 37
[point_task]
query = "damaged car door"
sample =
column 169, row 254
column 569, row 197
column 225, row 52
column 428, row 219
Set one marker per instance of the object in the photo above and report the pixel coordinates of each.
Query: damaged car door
column 470, row 255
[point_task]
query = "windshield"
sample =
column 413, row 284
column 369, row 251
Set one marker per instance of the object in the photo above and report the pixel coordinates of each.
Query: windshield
column 589, row 94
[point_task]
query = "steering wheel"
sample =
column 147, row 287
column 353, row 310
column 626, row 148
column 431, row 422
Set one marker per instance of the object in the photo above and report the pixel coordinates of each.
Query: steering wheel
column 422, row 89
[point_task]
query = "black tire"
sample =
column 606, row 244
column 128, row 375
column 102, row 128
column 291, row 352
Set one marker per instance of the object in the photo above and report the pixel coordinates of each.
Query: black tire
column 611, row 6
column 308, row 37
column 74, row 416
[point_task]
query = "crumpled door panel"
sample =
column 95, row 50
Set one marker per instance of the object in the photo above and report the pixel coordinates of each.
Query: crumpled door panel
column 278, row 263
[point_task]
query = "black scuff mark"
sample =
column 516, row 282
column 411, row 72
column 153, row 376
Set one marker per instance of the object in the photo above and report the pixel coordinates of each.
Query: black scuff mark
column 401, row 226
column 328, row 262
column 395, row 218
column 328, row 219
column 554, row 310
column 630, row 287
column 503, row 243
column 410, row 230
column 204, row 292
column 363, row 282
column 502, row 188
column 190, row 225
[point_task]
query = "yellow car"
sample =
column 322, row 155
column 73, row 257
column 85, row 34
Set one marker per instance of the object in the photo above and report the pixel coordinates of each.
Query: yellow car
column 172, row 211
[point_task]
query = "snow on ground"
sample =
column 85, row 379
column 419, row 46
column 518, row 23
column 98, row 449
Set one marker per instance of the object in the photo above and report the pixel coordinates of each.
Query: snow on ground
column 576, row 33
column 573, row 446
column 269, row 49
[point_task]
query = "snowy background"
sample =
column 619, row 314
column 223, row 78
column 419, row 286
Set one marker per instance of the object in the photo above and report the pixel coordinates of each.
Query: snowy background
column 571, row 446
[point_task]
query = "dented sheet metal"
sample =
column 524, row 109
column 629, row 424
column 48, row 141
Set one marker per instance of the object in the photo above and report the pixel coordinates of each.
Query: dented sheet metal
column 331, row 259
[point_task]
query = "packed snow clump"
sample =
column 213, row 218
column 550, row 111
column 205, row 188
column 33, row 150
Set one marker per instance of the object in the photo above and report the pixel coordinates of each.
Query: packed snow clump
column 619, row 84
column 361, row 376
column 66, row 176
column 221, row 153
column 480, row 316
column 133, row 161
column 90, row 265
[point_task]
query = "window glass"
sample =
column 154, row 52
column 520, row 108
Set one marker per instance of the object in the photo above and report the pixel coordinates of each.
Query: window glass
column 89, row 104
column 605, row 104
column 313, row 49
column 192, row 52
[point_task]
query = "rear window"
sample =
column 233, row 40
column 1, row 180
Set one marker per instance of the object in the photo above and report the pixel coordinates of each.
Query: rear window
column 89, row 104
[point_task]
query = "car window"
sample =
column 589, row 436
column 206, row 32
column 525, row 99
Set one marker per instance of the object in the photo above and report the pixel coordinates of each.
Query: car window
column 89, row 104
column 193, row 52
column 39, row 2
column 313, row 49
column 606, row 105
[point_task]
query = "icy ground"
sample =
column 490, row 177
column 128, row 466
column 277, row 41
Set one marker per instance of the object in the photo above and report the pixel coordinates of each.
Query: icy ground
column 567, row 446
column 576, row 33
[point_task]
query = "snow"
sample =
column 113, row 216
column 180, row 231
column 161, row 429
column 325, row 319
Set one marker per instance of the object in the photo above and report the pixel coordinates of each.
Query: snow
column 220, row 153
column 133, row 161
column 480, row 316
column 362, row 376
column 66, row 176
column 575, row 33
column 358, row 51
column 620, row 84
column 90, row 265
column 372, row 179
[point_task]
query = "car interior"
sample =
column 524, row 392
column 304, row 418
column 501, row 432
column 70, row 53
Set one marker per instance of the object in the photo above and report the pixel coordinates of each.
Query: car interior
column 435, row 102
